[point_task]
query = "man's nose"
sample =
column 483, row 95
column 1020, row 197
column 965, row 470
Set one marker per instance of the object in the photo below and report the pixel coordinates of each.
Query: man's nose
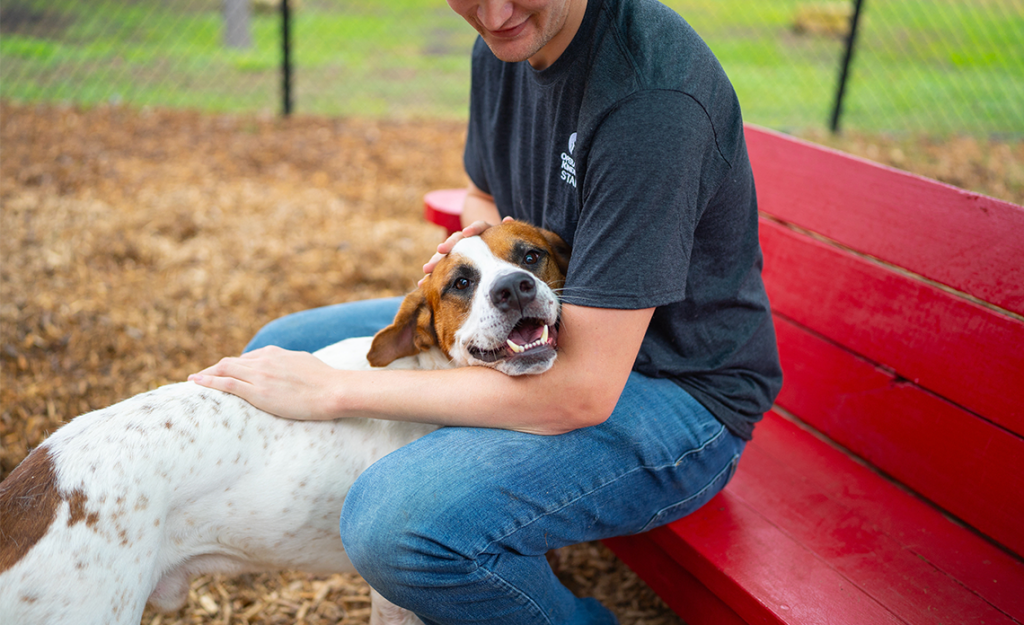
column 493, row 14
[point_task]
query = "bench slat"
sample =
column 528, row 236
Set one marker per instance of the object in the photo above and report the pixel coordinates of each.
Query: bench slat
column 680, row 590
column 959, row 350
column 964, row 464
column 760, row 571
column 943, row 233
column 780, row 536
column 834, row 527
column 919, row 528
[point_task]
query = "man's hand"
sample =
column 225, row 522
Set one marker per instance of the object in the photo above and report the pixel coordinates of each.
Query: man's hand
column 289, row 384
column 474, row 229
column 478, row 214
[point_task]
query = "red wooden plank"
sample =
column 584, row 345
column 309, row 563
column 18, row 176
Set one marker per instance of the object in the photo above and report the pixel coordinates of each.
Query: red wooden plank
column 675, row 585
column 964, row 464
column 838, row 529
column 977, row 564
column 960, row 350
column 444, row 208
column 967, row 241
column 760, row 571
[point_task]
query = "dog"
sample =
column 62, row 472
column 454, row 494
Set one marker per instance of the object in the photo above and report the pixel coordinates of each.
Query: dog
column 125, row 504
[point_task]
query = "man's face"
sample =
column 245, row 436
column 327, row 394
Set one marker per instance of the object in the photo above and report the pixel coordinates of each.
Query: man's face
column 523, row 29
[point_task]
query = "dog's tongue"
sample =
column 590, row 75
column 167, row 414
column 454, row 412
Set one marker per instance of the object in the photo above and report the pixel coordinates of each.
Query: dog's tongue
column 527, row 335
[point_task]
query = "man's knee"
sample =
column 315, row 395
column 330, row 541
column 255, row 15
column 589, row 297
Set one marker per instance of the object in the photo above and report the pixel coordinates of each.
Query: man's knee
column 368, row 526
column 390, row 532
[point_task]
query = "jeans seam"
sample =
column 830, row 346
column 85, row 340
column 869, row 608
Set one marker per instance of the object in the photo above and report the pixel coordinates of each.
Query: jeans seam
column 506, row 585
column 721, row 431
column 727, row 467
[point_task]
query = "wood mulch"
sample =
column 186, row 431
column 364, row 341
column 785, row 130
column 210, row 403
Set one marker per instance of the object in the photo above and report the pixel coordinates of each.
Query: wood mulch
column 140, row 246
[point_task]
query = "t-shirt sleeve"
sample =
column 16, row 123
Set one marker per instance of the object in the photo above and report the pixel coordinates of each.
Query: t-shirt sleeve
column 650, row 170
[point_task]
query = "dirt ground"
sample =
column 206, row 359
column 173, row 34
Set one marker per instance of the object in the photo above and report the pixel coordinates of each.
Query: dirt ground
column 138, row 247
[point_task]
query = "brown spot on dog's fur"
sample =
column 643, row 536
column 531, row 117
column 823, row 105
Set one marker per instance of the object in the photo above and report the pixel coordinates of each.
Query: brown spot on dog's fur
column 411, row 332
column 28, row 505
column 502, row 238
column 76, row 509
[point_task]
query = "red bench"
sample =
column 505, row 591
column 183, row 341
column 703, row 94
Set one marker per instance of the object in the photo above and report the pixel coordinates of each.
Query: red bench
column 887, row 485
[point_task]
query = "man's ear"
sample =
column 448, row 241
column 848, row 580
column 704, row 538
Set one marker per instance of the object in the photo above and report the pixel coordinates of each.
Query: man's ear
column 411, row 333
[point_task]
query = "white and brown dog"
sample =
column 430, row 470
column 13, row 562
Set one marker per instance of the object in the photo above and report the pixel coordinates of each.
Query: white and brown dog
column 126, row 504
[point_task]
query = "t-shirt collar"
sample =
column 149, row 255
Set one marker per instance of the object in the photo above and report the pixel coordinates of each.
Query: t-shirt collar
column 572, row 52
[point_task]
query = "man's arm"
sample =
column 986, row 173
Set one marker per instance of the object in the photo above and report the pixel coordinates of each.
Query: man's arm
column 479, row 206
column 479, row 212
column 597, row 348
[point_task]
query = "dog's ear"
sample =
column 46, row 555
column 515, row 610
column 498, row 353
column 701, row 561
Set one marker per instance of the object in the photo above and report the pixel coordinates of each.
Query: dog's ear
column 560, row 248
column 411, row 333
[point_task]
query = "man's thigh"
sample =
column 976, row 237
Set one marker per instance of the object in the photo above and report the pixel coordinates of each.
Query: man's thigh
column 658, row 457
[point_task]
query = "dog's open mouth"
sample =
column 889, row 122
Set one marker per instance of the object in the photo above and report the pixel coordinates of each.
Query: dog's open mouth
column 528, row 337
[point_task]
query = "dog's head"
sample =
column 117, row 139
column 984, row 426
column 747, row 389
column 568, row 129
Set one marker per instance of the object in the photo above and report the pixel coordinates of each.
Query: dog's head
column 490, row 302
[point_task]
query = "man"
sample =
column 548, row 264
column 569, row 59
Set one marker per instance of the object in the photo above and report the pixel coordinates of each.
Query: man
column 611, row 123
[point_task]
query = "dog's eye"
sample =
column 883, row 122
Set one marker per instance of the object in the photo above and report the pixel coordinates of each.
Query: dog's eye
column 531, row 258
column 460, row 284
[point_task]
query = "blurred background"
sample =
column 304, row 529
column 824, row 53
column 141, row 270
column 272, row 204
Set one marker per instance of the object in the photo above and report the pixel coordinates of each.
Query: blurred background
column 918, row 66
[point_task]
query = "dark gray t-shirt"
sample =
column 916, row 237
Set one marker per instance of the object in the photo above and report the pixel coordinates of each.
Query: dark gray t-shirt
column 630, row 146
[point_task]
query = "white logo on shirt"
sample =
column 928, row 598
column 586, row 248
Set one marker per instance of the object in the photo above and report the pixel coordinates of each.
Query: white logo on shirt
column 568, row 173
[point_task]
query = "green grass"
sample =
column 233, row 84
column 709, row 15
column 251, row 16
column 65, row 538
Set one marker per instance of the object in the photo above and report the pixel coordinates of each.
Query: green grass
column 351, row 58
column 936, row 66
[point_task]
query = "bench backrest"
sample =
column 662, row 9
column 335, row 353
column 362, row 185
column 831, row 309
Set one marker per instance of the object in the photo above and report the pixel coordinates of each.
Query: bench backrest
column 899, row 308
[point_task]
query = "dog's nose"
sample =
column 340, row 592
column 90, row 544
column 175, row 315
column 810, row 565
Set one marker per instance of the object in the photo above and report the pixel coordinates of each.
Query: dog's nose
column 513, row 291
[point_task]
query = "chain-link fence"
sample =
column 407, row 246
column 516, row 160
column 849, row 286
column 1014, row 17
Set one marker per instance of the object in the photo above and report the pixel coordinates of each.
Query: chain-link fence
column 922, row 66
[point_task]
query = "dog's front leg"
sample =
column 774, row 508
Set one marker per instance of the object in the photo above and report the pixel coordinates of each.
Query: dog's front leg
column 383, row 612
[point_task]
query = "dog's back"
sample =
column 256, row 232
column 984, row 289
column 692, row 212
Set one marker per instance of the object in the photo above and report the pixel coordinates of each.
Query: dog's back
column 127, row 503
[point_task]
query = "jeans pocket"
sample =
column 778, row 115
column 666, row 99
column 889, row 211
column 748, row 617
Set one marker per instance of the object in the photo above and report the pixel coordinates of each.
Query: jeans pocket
column 694, row 500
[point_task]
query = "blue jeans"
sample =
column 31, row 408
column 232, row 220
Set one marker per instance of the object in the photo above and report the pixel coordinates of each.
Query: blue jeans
column 455, row 525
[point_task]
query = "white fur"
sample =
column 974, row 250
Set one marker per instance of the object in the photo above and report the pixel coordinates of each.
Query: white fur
column 185, row 480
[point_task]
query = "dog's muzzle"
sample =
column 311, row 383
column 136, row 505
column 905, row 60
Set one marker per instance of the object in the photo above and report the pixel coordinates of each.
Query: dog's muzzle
column 530, row 336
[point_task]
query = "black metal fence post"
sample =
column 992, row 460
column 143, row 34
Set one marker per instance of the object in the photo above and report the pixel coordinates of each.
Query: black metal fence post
column 845, row 70
column 286, row 59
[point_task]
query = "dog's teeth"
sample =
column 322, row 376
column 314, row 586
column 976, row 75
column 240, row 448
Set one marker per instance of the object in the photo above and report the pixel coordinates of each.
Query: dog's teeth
column 519, row 349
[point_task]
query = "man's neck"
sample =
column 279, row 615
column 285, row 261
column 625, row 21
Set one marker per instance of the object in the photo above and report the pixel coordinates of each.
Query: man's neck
column 557, row 45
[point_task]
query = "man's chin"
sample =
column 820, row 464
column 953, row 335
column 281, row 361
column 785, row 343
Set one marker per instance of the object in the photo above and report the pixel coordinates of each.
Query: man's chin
column 524, row 44
column 510, row 51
